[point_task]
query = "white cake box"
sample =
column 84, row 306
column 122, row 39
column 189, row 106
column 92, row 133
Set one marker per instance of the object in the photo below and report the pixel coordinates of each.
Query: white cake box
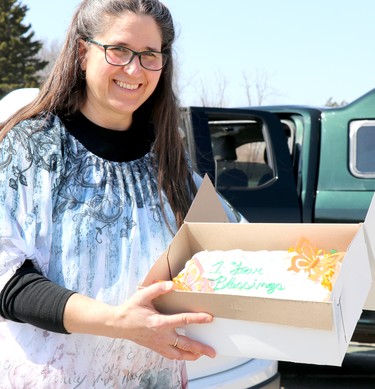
column 269, row 328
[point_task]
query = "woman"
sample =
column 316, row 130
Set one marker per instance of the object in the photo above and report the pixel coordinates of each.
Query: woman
column 95, row 183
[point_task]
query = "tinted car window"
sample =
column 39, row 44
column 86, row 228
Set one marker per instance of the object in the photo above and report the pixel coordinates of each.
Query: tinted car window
column 362, row 148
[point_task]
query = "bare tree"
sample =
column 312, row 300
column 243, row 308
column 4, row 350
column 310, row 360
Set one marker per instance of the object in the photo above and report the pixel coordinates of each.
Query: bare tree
column 49, row 53
column 259, row 85
column 335, row 104
column 222, row 86
column 181, row 84
column 248, row 87
column 204, row 94
column 214, row 97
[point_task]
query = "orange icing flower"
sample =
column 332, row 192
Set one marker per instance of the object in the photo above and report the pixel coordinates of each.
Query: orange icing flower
column 319, row 264
column 192, row 278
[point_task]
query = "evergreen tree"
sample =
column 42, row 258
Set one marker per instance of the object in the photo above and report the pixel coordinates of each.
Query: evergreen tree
column 19, row 62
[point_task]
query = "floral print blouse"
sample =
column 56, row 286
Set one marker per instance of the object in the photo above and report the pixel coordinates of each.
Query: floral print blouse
column 91, row 225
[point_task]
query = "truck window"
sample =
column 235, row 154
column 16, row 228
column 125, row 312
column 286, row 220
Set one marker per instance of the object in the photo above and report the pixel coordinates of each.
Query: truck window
column 362, row 148
column 240, row 152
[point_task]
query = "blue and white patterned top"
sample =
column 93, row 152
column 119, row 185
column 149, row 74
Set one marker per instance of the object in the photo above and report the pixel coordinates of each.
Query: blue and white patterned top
column 93, row 226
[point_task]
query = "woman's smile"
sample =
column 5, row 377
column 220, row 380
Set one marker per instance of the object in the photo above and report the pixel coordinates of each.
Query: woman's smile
column 125, row 85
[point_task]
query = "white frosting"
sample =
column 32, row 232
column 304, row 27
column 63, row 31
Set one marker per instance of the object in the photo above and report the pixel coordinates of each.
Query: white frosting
column 258, row 273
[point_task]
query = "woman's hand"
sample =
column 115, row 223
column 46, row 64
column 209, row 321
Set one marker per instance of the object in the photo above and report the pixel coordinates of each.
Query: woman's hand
column 138, row 321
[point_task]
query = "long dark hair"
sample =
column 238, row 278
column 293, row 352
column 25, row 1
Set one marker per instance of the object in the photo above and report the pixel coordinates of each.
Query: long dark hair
column 64, row 93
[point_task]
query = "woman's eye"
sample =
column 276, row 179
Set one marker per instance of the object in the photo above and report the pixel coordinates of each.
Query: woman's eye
column 150, row 55
column 118, row 50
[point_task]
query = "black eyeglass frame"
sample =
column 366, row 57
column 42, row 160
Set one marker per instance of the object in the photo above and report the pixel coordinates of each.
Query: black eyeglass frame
column 134, row 54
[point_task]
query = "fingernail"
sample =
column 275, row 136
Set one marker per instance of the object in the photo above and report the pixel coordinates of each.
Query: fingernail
column 212, row 355
column 169, row 284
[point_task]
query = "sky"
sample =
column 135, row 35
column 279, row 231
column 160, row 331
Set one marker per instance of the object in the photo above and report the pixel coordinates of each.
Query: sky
column 296, row 51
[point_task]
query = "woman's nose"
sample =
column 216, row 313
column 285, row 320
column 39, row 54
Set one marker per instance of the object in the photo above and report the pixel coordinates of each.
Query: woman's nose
column 134, row 66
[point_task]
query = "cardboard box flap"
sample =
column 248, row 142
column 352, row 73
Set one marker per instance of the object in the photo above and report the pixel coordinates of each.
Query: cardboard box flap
column 369, row 231
column 269, row 236
column 369, row 226
column 206, row 206
column 355, row 270
column 370, row 216
column 304, row 314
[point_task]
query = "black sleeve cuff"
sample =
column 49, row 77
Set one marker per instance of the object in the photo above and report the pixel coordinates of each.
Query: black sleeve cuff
column 29, row 297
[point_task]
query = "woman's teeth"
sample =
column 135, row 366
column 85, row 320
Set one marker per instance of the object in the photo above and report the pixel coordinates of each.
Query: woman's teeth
column 127, row 86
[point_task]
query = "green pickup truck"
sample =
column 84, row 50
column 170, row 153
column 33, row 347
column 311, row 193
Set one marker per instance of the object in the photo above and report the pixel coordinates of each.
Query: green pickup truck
column 290, row 164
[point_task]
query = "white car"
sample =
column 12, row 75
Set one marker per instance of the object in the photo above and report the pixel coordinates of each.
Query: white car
column 218, row 373
column 233, row 373
column 16, row 100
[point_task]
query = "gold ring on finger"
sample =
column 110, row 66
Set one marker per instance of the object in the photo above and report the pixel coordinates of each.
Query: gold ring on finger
column 176, row 342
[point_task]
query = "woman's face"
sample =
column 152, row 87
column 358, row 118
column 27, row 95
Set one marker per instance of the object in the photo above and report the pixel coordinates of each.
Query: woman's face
column 115, row 92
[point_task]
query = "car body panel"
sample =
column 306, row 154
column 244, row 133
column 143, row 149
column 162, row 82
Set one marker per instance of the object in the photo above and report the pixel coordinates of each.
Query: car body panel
column 233, row 373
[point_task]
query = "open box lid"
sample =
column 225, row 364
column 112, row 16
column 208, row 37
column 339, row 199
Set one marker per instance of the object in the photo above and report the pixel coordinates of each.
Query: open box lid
column 369, row 233
column 206, row 206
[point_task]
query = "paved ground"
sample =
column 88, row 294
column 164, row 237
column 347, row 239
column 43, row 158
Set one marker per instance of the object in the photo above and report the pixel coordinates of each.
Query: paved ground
column 357, row 372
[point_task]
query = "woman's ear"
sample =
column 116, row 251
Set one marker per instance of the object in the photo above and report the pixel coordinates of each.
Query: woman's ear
column 82, row 52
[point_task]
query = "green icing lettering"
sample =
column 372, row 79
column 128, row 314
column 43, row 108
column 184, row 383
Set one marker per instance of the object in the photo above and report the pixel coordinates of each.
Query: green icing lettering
column 238, row 269
column 222, row 283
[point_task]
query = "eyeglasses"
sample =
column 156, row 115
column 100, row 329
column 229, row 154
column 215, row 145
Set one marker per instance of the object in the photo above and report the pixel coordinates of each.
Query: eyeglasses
column 117, row 55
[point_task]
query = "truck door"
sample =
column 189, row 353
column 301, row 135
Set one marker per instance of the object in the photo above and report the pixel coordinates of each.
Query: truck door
column 245, row 153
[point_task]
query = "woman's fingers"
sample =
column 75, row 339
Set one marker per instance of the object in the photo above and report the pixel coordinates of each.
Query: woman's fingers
column 190, row 349
column 156, row 331
column 178, row 320
column 153, row 291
